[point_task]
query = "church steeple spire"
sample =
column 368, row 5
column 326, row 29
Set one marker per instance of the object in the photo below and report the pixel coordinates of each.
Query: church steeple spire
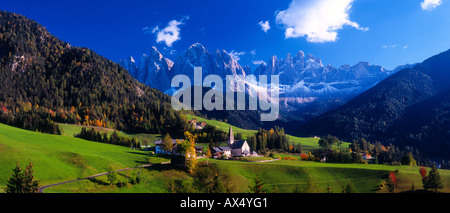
column 230, row 136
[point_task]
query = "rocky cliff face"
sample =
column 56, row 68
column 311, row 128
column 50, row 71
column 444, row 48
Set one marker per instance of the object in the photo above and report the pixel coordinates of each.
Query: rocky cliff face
column 157, row 71
column 306, row 85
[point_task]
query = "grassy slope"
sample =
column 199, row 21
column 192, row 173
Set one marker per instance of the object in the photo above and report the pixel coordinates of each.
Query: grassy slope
column 60, row 158
column 283, row 175
column 314, row 177
column 71, row 129
column 279, row 176
column 308, row 144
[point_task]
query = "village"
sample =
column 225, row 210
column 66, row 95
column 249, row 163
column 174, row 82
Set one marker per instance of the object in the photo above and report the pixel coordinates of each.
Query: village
column 234, row 148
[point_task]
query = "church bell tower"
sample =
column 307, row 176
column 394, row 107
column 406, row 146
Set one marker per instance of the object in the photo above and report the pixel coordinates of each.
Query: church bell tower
column 230, row 137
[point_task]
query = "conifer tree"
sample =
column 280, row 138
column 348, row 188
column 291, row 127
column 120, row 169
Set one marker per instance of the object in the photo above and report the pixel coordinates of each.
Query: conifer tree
column 30, row 185
column 433, row 180
column 15, row 182
column 22, row 181
column 258, row 187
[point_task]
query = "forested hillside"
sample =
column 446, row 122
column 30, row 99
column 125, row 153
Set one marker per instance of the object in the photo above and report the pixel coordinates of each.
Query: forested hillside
column 46, row 80
column 410, row 108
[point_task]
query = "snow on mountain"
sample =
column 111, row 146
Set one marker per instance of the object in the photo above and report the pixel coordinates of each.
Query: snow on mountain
column 303, row 79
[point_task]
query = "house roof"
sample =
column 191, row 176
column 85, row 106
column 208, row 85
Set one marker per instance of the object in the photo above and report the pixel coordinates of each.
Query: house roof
column 216, row 149
column 174, row 141
column 225, row 148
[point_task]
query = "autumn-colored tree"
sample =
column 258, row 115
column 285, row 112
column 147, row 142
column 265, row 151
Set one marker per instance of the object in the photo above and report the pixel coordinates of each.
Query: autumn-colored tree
column 167, row 143
column 423, row 173
column 208, row 156
column 191, row 157
column 190, row 137
column 391, row 182
column 258, row 186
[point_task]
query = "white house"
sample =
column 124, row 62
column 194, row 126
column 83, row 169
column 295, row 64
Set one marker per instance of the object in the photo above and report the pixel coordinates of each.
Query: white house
column 226, row 151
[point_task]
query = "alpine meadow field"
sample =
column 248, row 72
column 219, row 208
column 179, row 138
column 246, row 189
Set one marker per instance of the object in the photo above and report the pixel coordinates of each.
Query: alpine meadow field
column 63, row 158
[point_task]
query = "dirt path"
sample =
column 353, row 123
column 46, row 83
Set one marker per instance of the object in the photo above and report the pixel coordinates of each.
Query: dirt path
column 41, row 190
column 264, row 161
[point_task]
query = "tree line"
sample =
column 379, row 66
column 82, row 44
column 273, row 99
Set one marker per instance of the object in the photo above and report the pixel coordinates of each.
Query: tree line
column 391, row 154
column 102, row 137
column 274, row 138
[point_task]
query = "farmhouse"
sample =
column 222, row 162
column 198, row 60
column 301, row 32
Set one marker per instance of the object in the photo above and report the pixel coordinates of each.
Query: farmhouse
column 159, row 147
column 197, row 125
column 366, row 156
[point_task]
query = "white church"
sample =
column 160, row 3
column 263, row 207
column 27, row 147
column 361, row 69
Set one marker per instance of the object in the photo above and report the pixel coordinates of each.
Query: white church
column 234, row 148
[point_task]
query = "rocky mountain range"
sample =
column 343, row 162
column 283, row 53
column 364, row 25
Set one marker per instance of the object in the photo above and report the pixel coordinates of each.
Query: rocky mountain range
column 307, row 87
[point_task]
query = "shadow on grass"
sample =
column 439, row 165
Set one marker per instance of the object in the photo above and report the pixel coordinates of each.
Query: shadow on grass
column 420, row 191
column 165, row 167
column 139, row 153
column 98, row 182
column 146, row 154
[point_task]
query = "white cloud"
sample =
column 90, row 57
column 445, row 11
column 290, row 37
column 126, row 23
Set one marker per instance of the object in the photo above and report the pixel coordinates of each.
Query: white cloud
column 430, row 4
column 389, row 46
column 318, row 20
column 386, row 46
column 236, row 55
column 169, row 34
column 258, row 62
column 265, row 26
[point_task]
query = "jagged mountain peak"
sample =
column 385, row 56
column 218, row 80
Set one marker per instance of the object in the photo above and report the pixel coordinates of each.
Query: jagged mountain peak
column 155, row 54
column 131, row 59
column 300, row 54
column 198, row 48
column 313, row 61
column 306, row 68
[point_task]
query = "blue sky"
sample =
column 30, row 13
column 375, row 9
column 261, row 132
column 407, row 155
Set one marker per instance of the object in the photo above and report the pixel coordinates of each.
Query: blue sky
column 382, row 32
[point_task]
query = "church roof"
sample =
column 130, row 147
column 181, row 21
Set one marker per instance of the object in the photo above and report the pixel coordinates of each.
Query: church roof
column 237, row 144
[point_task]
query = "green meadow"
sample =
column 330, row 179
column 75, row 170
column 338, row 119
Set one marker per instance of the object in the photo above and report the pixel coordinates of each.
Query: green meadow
column 313, row 177
column 281, row 176
column 63, row 158
column 308, row 144
column 72, row 129
column 59, row 158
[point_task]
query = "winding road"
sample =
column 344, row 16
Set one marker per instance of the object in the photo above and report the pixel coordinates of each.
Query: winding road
column 41, row 190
